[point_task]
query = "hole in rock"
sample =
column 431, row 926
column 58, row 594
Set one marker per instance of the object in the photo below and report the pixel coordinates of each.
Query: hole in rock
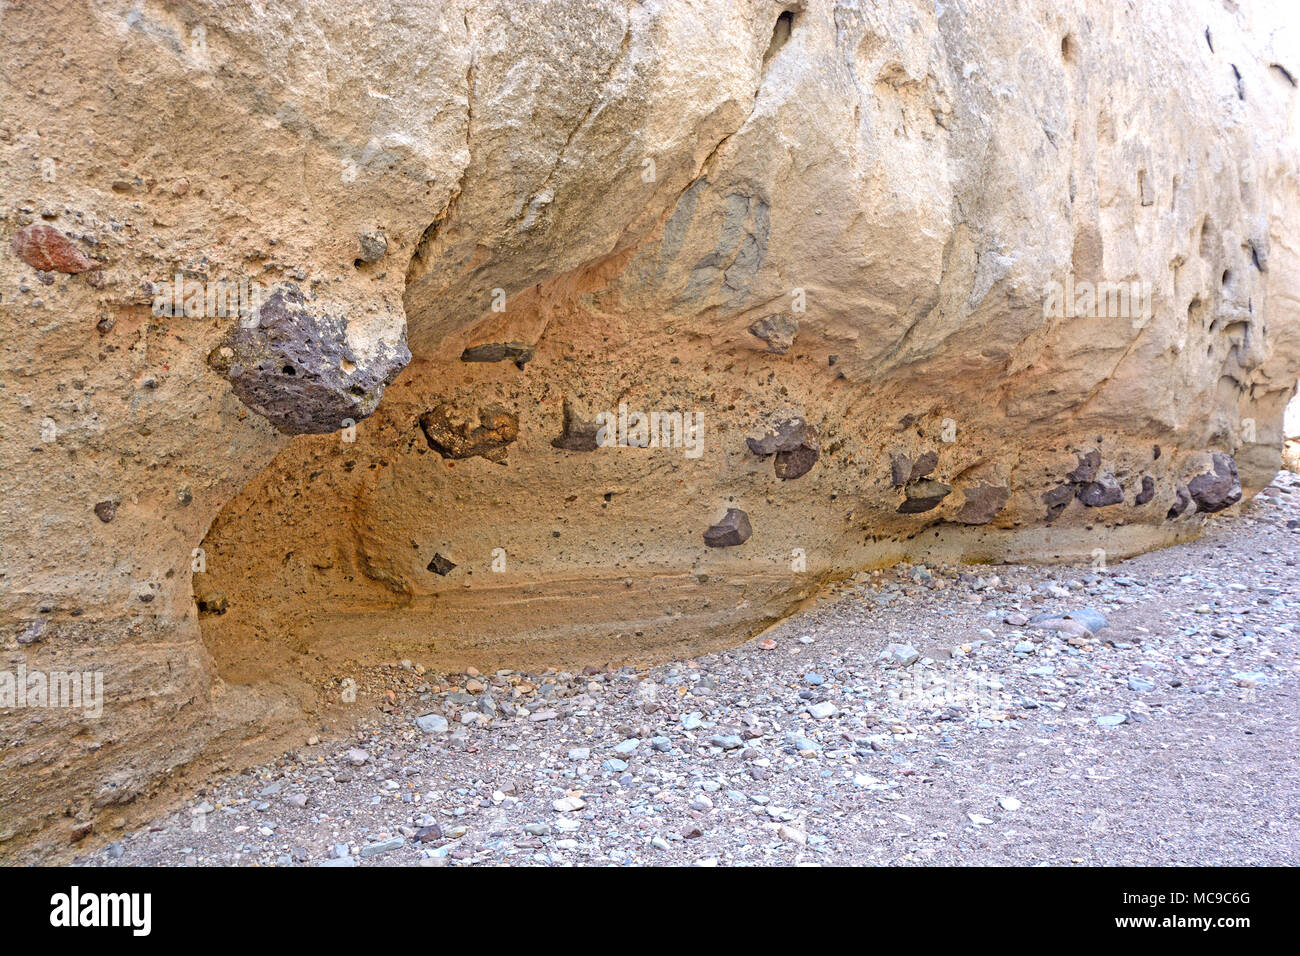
column 1208, row 237
column 1254, row 257
column 1291, row 418
column 780, row 34
column 1067, row 49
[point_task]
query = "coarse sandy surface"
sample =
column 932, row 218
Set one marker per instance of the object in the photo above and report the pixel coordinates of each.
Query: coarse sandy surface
column 1166, row 737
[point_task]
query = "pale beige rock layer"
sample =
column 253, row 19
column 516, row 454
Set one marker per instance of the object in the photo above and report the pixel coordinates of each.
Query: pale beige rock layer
column 608, row 198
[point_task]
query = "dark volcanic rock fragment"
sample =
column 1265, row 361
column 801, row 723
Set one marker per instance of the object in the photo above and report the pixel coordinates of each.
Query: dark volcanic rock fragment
column 900, row 470
column 903, row 469
column 441, row 565
column 924, row 466
column 982, row 504
column 577, row 434
column 374, row 246
column 923, row 496
column 784, row 436
column 1087, row 468
column 293, row 365
column 778, row 331
column 1217, row 489
column 1101, row 493
column 1181, row 502
column 797, row 462
column 732, row 530
column 795, row 444
column 106, row 510
column 452, row 434
column 515, row 352
column 1057, row 499
column 1148, row 490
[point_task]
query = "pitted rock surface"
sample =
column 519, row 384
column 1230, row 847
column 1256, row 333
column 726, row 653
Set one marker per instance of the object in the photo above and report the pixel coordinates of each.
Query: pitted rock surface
column 293, row 365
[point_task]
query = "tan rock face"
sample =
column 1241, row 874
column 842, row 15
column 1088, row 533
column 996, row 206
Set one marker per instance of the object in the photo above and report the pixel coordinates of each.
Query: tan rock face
column 534, row 284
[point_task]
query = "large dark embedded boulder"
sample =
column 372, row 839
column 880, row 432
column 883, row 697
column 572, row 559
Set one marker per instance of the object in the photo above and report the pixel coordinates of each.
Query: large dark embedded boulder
column 1217, row 489
column 453, row 433
column 292, row 364
column 1086, row 482
column 373, row 246
column 982, row 504
column 732, row 530
column 794, row 443
column 1101, row 493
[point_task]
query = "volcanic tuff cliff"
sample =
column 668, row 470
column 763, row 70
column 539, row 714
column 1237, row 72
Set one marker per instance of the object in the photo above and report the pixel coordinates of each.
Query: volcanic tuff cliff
column 825, row 231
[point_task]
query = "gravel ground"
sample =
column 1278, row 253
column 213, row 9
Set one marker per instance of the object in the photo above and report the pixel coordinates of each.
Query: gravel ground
column 1155, row 725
